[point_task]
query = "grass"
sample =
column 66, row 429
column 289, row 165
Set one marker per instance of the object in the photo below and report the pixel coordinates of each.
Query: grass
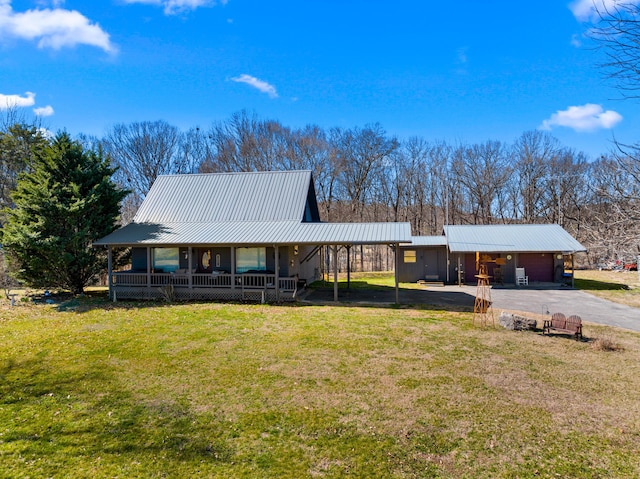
column 618, row 286
column 377, row 280
column 93, row 389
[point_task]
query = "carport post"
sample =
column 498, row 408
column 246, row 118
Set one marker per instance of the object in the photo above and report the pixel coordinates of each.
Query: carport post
column 397, row 258
column 335, row 273
column 348, row 266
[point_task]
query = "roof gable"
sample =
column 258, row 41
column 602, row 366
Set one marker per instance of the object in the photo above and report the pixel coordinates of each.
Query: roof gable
column 228, row 197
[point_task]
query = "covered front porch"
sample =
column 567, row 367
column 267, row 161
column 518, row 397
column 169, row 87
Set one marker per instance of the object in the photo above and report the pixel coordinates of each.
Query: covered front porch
column 189, row 286
column 257, row 273
column 257, row 262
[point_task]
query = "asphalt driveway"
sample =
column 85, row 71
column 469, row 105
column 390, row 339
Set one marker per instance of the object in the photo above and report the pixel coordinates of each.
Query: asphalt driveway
column 567, row 301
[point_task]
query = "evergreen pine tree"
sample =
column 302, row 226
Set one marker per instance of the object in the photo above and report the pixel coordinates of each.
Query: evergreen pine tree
column 67, row 201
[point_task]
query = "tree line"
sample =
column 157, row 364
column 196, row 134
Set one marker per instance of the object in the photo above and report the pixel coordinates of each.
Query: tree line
column 366, row 174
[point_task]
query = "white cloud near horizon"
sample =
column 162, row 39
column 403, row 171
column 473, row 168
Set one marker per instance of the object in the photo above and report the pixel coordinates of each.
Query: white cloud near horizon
column 13, row 101
column 462, row 54
column 588, row 117
column 586, row 10
column 43, row 111
column 260, row 85
column 173, row 7
column 53, row 28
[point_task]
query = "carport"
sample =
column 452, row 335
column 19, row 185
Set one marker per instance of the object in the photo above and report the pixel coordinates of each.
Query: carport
column 336, row 235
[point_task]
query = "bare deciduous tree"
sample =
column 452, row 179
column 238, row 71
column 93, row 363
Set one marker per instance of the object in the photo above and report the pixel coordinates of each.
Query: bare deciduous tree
column 142, row 151
column 617, row 33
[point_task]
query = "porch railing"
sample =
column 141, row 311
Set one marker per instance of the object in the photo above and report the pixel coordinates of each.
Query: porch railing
column 208, row 280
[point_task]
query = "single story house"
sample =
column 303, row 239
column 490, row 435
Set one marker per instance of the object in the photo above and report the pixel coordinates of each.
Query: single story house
column 232, row 236
column 540, row 249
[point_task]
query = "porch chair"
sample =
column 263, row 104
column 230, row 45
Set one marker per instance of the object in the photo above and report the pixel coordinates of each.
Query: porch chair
column 521, row 278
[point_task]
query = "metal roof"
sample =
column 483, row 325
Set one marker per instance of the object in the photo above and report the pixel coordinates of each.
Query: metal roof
column 219, row 197
column 260, row 208
column 426, row 241
column 257, row 233
column 510, row 239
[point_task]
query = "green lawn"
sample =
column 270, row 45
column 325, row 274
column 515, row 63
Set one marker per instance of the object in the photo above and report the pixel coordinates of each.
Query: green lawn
column 618, row 286
column 228, row 390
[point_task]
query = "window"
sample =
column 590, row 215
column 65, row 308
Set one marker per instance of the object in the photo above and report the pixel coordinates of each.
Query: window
column 251, row 259
column 409, row 256
column 166, row 259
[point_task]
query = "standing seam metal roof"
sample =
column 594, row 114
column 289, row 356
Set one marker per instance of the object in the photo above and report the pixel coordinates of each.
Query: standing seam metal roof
column 510, row 239
column 258, row 233
column 219, row 197
column 257, row 208
column 426, row 241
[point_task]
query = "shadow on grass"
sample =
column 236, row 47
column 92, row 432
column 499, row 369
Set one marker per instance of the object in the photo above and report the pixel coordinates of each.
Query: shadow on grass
column 75, row 420
column 379, row 295
column 361, row 293
column 594, row 285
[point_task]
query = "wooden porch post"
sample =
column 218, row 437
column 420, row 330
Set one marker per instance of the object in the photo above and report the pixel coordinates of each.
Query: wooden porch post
column 397, row 258
column 148, row 267
column 110, row 272
column 335, row 273
column 233, row 267
column 277, row 270
column 190, row 266
column 573, row 270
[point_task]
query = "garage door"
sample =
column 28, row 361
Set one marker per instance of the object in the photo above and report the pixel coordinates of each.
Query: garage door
column 538, row 266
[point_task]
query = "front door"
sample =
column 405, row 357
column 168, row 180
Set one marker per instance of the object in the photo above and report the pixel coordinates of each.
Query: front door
column 430, row 259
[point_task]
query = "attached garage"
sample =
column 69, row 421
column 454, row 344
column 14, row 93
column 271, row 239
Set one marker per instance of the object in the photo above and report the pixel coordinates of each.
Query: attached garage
column 540, row 249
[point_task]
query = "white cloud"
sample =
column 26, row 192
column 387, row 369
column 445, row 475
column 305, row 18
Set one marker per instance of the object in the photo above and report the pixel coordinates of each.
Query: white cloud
column 52, row 3
column 263, row 86
column 43, row 111
column 585, row 10
column 173, row 7
column 575, row 41
column 48, row 134
column 13, row 101
column 587, row 117
column 462, row 55
column 52, row 28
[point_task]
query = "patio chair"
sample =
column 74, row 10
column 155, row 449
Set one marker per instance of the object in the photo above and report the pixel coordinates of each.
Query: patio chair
column 521, row 278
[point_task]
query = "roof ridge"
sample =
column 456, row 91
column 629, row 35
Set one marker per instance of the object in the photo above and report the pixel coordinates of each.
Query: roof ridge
column 230, row 173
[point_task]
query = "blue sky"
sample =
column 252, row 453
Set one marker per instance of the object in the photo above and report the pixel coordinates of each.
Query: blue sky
column 464, row 71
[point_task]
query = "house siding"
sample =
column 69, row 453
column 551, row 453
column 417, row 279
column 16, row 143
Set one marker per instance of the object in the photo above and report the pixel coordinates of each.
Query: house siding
column 431, row 264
